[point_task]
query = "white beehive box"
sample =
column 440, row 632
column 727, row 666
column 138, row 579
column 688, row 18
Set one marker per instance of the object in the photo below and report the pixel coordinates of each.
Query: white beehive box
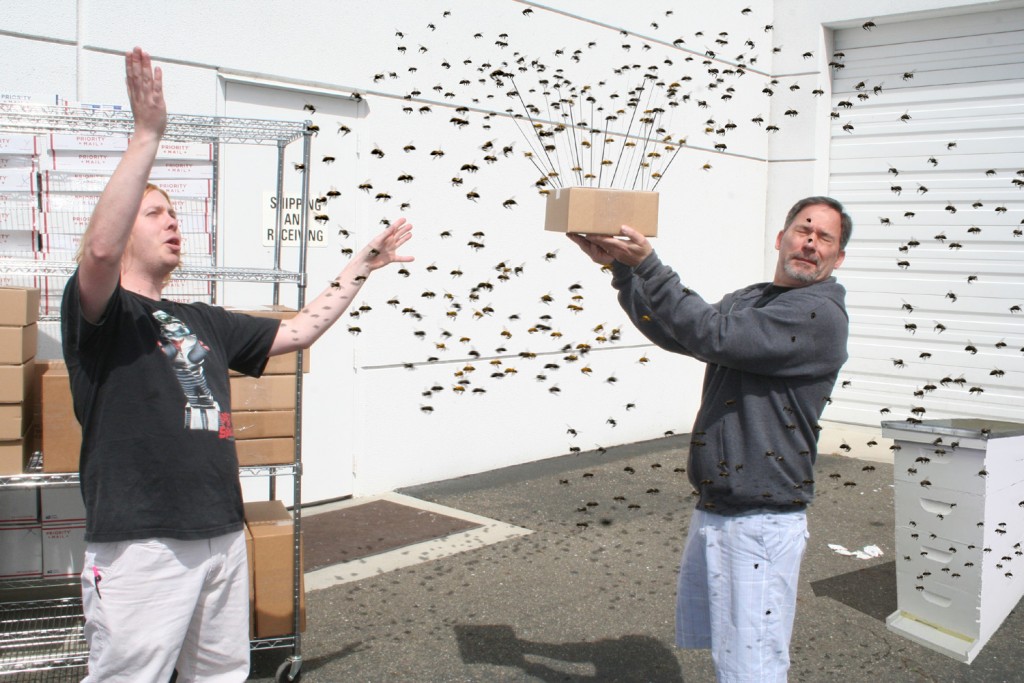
column 959, row 531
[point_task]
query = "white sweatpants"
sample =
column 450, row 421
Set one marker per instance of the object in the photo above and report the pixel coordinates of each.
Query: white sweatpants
column 156, row 605
column 737, row 591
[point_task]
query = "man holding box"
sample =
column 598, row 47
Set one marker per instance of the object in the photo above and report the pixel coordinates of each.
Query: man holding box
column 165, row 584
column 773, row 352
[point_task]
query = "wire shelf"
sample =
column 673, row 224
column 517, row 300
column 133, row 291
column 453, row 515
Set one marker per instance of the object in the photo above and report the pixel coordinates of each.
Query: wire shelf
column 39, row 119
column 42, row 635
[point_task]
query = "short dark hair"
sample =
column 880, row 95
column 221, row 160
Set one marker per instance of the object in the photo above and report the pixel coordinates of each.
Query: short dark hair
column 845, row 222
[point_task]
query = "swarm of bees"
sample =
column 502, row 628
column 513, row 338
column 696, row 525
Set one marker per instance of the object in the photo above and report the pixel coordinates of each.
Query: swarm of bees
column 598, row 114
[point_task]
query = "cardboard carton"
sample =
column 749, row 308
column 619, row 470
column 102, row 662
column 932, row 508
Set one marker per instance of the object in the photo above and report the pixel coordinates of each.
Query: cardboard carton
column 19, row 505
column 285, row 363
column 16, row 381
column 61, row 504
column 18, row 344
column 19, row 306
column 256, row 452
column 21, row 550
column 601, row 211
column 20, row 143
column 252, row 583
column 61, row 433
column 14, row 419
column 262, row 424
column 87, row 141
column 63, row 548
column 273, row 569
column 14, row 454
column 270, row 392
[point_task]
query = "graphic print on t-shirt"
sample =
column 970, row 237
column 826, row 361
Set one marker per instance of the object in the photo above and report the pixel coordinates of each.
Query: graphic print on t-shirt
column 187, row 354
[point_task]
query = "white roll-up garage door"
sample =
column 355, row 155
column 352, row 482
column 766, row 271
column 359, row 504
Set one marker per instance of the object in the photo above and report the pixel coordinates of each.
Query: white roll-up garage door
column 927, row 153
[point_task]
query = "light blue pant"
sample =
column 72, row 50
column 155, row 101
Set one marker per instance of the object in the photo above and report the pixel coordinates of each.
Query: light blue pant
column 737, row 591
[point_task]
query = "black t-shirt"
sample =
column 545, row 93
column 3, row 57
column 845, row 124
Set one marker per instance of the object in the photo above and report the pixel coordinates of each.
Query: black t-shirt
column 150, row 389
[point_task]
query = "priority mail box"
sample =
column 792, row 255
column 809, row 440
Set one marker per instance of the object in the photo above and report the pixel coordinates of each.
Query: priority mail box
column 21, row 550
column 19, row 305
column 273, row 569
column 180, row 168
column 20, row 143
column 61, row 504
column 84, row 160
column 601, row 211
column 17, row 180
column 19, row 505
column 21, row 244
column 18, row 214
column 173, row 149
column 18, row 344
column 182, row 188
column 12, row 161
column 78, row 142
column 63, row 548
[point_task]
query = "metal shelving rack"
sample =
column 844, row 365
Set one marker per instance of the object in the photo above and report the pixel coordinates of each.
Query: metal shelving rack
column 42, row 639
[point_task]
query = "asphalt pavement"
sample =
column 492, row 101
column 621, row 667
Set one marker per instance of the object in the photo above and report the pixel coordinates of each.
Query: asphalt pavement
column 589, row 594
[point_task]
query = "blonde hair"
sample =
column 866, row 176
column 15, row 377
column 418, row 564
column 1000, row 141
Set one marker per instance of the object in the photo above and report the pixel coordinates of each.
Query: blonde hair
column 150, row 187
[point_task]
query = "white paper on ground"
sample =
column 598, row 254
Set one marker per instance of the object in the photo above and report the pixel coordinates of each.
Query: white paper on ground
column 866, row 553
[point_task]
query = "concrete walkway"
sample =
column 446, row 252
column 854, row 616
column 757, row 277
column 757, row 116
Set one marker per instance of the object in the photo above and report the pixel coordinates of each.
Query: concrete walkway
column 579, row 585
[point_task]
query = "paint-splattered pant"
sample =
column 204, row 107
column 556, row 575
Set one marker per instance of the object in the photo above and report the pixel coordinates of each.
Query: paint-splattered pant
column 737, row 591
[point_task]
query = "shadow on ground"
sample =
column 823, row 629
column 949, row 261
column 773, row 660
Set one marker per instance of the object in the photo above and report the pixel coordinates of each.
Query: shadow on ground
column 871, row 590
column 628, row 658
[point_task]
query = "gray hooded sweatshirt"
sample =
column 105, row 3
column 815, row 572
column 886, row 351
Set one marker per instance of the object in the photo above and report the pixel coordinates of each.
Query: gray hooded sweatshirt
column 773, row 355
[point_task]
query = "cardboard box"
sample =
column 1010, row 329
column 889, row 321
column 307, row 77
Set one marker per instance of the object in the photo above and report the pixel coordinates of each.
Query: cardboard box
column 14, row 454
column 87, row 141
column 173, row 149
column 19, row 243
column 61, row 433
column 262, row 424
column 16, row 381
column 21, row 550
column 180, row 168
column 18, row 344
column 19, row 306
column 252, row 583
column 273, row 569
column 285, row 363
column 14, row 420
column 19, row 143
column 61, row 504
column 601, row 211
column 19, row 505
column 17, row 180
column 92, row 160
column 256, row 452
column 63, row 548
column 270, row 392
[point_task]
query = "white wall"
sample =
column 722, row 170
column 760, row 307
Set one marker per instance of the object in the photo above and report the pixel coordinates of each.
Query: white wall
column 716, row 223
